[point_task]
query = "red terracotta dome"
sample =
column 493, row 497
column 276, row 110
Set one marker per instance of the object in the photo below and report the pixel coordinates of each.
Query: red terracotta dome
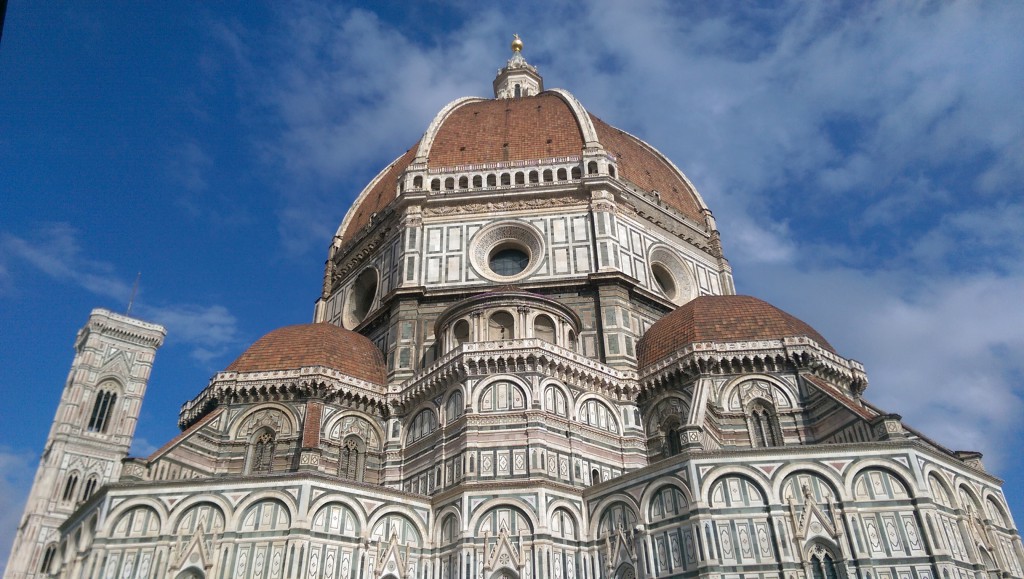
column 552, row 124
column 721, row 319
column 322, row 344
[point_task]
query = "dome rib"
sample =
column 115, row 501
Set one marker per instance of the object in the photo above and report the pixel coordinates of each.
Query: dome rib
column 380, row 193
column 721, row 319
column 320, row 344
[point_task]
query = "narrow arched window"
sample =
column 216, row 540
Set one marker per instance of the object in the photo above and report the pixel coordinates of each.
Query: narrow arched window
column 90, row 487
column 520, row 178
column 823, row 567
column 417, row 182
column 562, row 175
column 48, row 555
column 592, row 168
column 762, row 425
column 478, row 181
column 506, row 179
column 519, row 91
column 262, row 457
column 534, row 177
column 576, row 173
column 352, row 461
column 449, row 183
column 102, row 408
column 492, row 180
column 69, row 487
column 435, row 184
column 548, row 177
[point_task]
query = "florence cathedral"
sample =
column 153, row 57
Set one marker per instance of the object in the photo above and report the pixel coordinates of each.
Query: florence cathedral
column 527, row 360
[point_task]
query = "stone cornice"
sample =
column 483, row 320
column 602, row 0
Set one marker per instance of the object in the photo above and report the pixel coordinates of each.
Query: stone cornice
column 312, row 381
column 702, row 358
column 515, row 356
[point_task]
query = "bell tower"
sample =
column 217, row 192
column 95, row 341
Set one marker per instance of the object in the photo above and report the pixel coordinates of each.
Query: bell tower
column 91, row 433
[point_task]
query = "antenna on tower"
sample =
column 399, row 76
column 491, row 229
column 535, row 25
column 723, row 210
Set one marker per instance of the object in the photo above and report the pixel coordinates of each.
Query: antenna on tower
column 135, row 290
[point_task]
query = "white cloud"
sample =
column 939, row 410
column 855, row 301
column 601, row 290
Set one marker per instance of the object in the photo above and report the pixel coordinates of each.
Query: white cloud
column 55, row 250
column 210, row 331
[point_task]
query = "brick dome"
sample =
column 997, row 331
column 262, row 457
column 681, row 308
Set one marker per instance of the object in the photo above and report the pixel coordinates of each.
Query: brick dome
column 721, row 319
column 322, row 344
column 472, row 132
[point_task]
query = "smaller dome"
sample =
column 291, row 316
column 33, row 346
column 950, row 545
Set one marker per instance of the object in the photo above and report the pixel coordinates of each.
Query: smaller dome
column 721, row 319
column 322, row 344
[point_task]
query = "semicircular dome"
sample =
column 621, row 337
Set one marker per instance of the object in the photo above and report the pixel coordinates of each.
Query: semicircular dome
column 320, row 344
column 728, row 318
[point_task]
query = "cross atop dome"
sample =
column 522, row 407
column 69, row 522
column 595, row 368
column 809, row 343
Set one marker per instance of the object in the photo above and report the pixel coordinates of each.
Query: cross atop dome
column 518, row 78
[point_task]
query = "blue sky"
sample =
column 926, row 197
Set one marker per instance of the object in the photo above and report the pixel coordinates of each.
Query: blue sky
column 864, row 162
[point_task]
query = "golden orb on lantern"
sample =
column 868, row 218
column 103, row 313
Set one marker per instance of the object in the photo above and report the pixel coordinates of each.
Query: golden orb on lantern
column 517, row 44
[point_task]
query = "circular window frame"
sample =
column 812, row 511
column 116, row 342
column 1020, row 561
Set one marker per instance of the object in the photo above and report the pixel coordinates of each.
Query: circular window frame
column 349, row 318
column 683, row 287
column 506, row 235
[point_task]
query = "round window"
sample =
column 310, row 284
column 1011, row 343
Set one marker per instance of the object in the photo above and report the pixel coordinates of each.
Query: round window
column 506, row 251
column 508, row 261
column 670, row 276
column 663, row 277
column 360, row 298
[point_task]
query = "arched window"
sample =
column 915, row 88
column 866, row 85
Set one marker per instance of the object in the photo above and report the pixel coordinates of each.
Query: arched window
column 449, row 183
column 417, row 182
column 460, row 333
column 423, row 424
column 102, row 408
column 562, row 175
column 90, row 487
column 563, row 525
column 478, row 181
column 611, row 170
column 534, row 177
column 592, row 168
column 554, row 401
column 69, row 487
column 455, row 407
column 501, row 326
column 572, row 341
column 548, row 177
column 492, row 180
column 435, row 184
column 762, row 425
column 823, row 565
column 520, row 178
column 352, row 461
column 261, row 458
column 576, row 173
column 544, row 328
column 502, row 396
column 596, row 414
column 519, row 91
column 506, row 179
column 46, row 565
column 463, row 182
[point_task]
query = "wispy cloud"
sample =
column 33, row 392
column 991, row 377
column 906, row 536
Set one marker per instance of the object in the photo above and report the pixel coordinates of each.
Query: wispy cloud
column 55, row 250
